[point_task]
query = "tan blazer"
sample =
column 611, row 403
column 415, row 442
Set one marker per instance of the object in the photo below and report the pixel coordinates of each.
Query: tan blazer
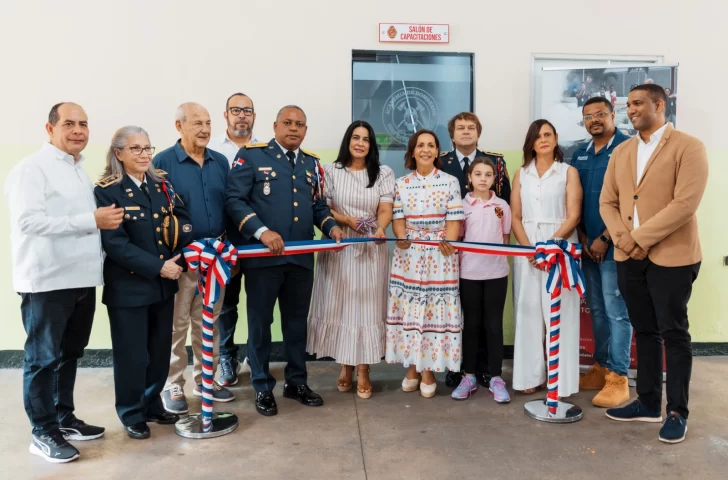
column 667, row 197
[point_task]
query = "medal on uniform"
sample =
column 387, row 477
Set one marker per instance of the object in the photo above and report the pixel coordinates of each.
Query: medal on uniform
column 266, row 188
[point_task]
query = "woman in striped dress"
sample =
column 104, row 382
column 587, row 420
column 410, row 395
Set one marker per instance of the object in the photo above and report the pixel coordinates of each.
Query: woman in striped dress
column 349, row 304
column 423, row 316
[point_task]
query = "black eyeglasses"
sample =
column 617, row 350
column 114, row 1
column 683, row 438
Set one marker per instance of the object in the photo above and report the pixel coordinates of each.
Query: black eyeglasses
column 248, row 111
column 137, row 150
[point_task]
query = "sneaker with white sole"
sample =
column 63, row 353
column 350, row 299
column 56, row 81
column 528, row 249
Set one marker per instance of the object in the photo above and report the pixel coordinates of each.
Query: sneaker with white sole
column 80, row 430
column 219, row 393
column 52, row 447
column 173, row 399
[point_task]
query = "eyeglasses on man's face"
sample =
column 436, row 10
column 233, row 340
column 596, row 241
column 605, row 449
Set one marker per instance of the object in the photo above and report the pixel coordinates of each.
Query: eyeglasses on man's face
column 235, row 111
column 597, row 116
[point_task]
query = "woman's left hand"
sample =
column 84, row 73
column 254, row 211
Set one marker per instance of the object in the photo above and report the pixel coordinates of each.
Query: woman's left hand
column 379, row 234
column 446, row 249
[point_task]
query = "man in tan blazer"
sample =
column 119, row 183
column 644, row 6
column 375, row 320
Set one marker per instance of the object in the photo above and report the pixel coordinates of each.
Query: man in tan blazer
column 652, row 189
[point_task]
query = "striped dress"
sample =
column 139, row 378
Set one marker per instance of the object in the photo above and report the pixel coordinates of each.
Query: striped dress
column 423, row 314
column 348, row 307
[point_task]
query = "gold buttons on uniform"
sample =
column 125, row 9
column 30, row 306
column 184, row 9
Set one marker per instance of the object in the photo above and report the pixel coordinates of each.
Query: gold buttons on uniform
column 295, row 219
column 294, row 190
column 160, row 242
column 156, row 215
column 162, row 257
column 158, row 229
column 293, row 177
column 295, row 204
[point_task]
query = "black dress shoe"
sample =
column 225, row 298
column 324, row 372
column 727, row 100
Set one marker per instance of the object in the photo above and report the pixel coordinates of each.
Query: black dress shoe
column 483, row 379
column 265, row 403
column 164, row 418
column 303, row 394
column 452, row 379
column 139, row 431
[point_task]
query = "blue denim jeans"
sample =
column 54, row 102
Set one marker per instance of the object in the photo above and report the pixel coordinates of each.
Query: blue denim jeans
column 610, row 320
column 58, row 325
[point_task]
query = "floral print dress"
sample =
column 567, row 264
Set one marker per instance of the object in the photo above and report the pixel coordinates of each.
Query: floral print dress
column 423, row 312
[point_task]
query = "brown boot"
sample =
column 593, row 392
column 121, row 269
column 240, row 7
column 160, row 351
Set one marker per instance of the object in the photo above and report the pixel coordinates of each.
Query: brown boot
column 594, row 379
column 614, row 393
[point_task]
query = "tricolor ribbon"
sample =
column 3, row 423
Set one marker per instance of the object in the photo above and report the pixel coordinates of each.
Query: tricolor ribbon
column 366, row 225
column 212, row 259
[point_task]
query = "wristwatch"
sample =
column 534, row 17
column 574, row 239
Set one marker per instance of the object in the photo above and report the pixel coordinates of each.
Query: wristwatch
column 605, row 239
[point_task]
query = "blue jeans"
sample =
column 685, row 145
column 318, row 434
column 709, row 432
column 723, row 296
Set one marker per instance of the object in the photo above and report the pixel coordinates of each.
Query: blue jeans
column 610, row 320
column 58, row 325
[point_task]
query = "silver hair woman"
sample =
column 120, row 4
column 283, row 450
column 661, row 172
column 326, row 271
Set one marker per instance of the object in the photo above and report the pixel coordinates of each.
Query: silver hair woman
column 120, row 141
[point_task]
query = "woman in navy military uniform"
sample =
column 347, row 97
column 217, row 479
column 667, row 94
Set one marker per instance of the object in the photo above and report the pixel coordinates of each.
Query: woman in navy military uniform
column 140, row 276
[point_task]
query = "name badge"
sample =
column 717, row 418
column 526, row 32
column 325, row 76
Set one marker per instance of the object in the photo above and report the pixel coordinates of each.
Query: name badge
column 265, row 169
column 132, row 208
column 583, row 158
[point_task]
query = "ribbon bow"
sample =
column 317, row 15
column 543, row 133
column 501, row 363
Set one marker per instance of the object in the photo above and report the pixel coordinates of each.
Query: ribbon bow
column 366, row 225
column 213, row 260
column 560, row 259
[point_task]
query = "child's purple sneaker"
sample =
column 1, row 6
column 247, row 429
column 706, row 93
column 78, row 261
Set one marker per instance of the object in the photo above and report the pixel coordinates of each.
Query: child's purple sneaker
column 498, row 389
column 468, row 386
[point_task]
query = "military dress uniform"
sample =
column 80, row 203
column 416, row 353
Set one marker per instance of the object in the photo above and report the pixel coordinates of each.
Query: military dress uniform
column 139, row 301
column 264, row 190
column 502, row 188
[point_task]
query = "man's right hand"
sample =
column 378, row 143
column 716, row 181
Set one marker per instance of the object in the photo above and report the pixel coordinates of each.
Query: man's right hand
column 273, row 241
column 108, row 218
column 170, row 269
column 584, row 244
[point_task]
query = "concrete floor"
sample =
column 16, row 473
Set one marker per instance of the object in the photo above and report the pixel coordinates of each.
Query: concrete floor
column 393, row 435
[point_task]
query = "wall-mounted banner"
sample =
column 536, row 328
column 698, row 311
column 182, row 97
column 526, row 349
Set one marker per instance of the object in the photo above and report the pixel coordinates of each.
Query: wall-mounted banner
column 414, row 32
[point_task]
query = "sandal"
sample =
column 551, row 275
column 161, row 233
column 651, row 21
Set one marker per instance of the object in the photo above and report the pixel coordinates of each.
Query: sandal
column 363, row 392
column 344, row 384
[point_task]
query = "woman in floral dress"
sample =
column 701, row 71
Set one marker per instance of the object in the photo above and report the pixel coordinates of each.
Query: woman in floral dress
column 423, row 314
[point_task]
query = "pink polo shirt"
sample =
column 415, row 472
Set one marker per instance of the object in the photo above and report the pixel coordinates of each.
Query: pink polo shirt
column 485, row 222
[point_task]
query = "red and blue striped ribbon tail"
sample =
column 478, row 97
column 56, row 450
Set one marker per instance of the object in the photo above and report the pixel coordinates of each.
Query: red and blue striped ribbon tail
column 213, row 260
column 560, row 259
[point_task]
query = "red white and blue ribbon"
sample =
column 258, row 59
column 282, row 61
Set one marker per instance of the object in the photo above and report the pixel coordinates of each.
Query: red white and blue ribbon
column 213, row 259
column 560, row 259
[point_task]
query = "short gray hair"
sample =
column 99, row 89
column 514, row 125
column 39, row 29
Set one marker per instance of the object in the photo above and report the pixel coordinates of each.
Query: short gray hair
column 294, row 107
column 114, row 166
column 181, row 114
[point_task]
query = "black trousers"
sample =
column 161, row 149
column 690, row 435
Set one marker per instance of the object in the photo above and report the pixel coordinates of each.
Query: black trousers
column 228, row 318
column 483, row 302
column 291, row 286
column 141, row 340
column 657, row 302
column 58, row 325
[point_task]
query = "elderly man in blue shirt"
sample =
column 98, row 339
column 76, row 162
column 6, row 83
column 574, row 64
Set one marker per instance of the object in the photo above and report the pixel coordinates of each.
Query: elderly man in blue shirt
column 610, row 321
column 199, row 176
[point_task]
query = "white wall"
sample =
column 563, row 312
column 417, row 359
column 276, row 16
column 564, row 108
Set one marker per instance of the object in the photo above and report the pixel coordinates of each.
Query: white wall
column 135, row 61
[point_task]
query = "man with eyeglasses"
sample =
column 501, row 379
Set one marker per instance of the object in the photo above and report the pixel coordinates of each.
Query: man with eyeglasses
column 57, row 265
column 199, row 176
column 240, row 117
column 275, row 195
column 610, row 321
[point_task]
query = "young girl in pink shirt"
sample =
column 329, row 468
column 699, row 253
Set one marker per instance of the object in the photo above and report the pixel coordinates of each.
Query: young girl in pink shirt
column 483, row 281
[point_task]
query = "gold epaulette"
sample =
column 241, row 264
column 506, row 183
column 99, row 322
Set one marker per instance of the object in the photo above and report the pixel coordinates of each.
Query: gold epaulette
column 256, row 145
column 495, row 154
column 110, row 180
column 310, row 154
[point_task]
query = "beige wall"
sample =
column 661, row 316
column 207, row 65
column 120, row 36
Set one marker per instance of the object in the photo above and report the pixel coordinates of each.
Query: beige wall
column 133, row 62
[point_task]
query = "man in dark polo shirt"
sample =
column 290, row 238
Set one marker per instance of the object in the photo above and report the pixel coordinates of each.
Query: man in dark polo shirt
column 610, row 321
column 199, row 176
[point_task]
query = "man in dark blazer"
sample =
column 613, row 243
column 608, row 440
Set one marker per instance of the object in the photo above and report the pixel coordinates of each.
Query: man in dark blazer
column 274, row 195
column 465, row 130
